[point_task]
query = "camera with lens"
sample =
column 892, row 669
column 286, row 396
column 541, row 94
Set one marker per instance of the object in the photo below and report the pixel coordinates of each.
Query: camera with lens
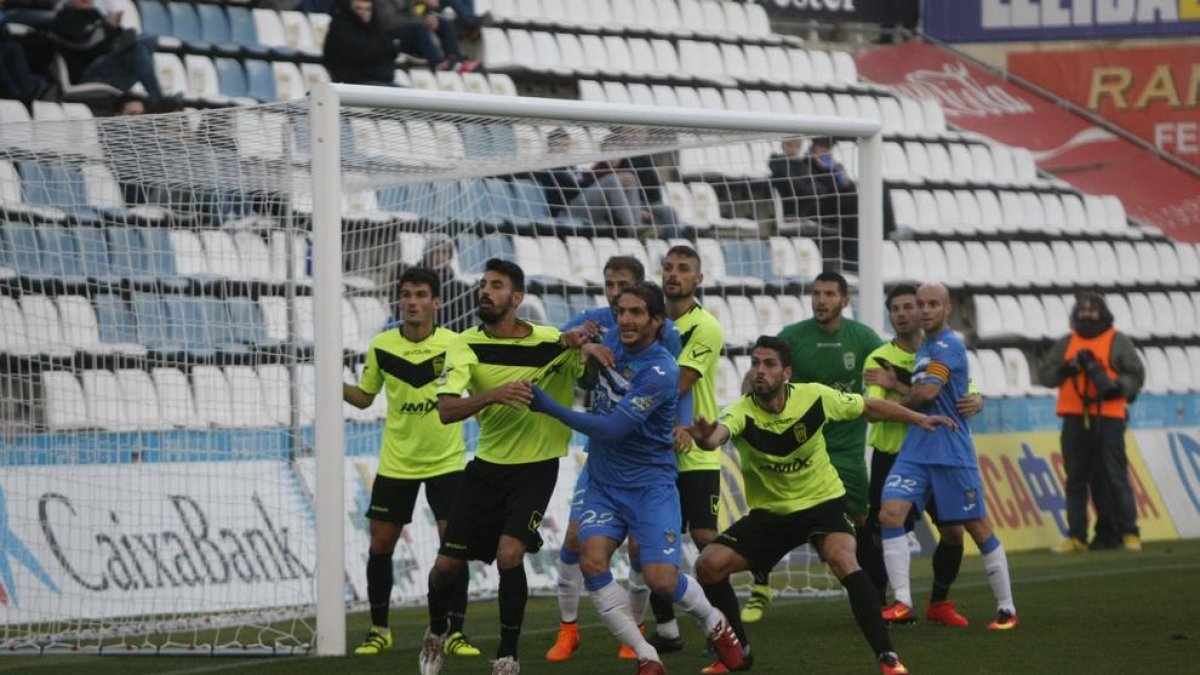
column 1085, row 362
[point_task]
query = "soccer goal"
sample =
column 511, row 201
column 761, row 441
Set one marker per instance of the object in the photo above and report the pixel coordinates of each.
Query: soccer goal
column 181, row 297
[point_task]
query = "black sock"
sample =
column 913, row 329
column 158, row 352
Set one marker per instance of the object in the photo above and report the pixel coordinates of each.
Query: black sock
column 947, row 559
column 722, row 596
column 864, row 603
column 870, row 559
column 458, row 601
column 379, row 588
column 761, row 577
column 440, row 592
column 514, row 593
column 663, row 608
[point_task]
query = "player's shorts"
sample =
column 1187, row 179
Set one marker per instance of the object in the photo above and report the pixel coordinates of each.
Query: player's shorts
column 852, row 469
column 649, row 514
column 956, row 491
column 498, row 499
column 393, row 499
column 881, row 466
column 578, row 495
column 764, row 538
column 699, row 499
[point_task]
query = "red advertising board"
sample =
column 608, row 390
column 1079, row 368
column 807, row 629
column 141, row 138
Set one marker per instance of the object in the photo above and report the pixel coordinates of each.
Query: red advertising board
column 1152, row 92
column 1065, row 144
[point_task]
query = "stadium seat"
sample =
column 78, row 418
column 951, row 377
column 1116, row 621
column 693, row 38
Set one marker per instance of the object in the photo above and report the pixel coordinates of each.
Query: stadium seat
column 1145, row 323
column 156, row 20
column 708, row 209
column 80, row 330
column 289, row 82
column 1122, row 314
column 106, row 404
column 1193, row 354
column 66, row 407
column 176, row 406
column 1184, row 313
column 770, row 315
column 793, row 309
column 998, row 317
column 117, row 325
column 13, row 338
column 1002, row 266
column 934, row 260
column 1168, row 262
column 271, row 34
column 139, row 396
column 1164, row 315
column 203, row 81
column 215, row 29
column 231, row 78
column 1087, row 263
column 260, row 80
column 275, row 384
column 1057, row 316
column 1179, row 369
column 1041, row 261
column 958, row 265
column 728, row 385
column 1017, row 372
column 1034, row 317
column 1065, row 264
column 743, row 329
column 1158, row 371
column 1148, row 263
column 246, row 398
column 213, row 399
column 1189, row 262
column 43, row 326
column 297, row 33
column 995, row 376
column 1128, row 266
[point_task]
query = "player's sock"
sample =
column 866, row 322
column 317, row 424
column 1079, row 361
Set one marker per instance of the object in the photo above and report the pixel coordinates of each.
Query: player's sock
column 570, row 584
column 514, row 593
column 664, row 616
column 863, row 602
column 762, row 579
column 379, row 588
column 870, row 559
column 439, row 598
column 995, row 565
column 639, row 593
column 690, row 597
column 610, row 601
column 897, row 560
column 947, row 559
column 457, row 613
column 723, row 597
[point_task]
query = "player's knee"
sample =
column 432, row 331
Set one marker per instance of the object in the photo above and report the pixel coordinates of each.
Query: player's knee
column 980, row 530
column 703, row 537
column 892, row 514
column 708, row 570
column 951, row 535
column 592, row 566
column 445, row 570
column 661, row 581
column 842, row 562
column 510, row 554
column 571, row 541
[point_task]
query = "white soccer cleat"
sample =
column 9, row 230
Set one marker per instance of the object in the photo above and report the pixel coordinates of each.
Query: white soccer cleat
column 506, row 666
column 430, row 660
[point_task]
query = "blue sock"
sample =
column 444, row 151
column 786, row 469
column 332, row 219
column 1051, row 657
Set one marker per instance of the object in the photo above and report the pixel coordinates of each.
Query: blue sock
column 680, row 588
column 567, row 556
column 893, row 532
column 990, row 545
column 599, row 581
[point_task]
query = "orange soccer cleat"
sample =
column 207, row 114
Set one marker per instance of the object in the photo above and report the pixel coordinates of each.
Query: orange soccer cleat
column 944, row 612
column 898, row 612
column 889, row 664
column 626, row 652
column 1005, row 620
column 565, row 644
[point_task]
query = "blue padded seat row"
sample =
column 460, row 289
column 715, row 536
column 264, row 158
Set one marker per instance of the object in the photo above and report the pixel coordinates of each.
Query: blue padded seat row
column 199, row 325
column 76, row 254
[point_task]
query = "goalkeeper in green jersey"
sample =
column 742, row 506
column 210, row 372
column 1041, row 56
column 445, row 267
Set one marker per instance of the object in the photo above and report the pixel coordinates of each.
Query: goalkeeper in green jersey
column 417, row 449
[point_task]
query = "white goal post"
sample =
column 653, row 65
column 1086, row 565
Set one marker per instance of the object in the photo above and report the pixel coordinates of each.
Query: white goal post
column 327, row 103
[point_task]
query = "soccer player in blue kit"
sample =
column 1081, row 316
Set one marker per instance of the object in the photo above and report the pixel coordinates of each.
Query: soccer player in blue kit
column 632, row 472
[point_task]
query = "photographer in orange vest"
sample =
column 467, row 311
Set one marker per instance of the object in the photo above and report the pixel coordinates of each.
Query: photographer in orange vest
column 1098, row 373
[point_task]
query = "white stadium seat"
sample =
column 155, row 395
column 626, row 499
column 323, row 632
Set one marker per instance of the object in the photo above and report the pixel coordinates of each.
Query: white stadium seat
column 66, row 407
column 176, row 403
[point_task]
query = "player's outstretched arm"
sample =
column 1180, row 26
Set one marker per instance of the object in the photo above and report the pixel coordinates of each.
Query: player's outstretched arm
column 878, row 409
column 453, row 408
column 356, row 397
column 708, row 434
column 921, row 395
column 885, row 376
column 610, row 428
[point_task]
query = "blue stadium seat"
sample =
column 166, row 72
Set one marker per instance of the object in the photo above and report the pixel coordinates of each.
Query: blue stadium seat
column 231, row 77
column 504, row 202
column 93, row 252
column 471, row 253
column 155, row 18
column 188, row 324
column 152, row 329
column 24, row 252
column 531, row 201
column 393, row 198
column 750, row 258
column 260, row 80
column 216, row 316
column 247, row 322
column 186, row 24
column 116, row 322
column 60, row 254
column 580, row 302
column 243, row 32
column 127, row 255
column 558, row 311
column 480, row 206
column 215, row 29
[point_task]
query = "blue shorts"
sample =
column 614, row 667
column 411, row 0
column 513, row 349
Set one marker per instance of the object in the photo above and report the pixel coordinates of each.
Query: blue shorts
column 957, row 491
column 648, row 514
column 578, row 494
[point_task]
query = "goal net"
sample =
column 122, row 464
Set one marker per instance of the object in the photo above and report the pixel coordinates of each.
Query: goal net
column 161, row 331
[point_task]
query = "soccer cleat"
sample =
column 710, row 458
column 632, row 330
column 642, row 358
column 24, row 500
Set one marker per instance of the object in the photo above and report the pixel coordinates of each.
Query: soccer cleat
column 945, row 613
column 718, row 667
column 457, row 644
column 565, row 644
column 430, row 659
column 756, row 607
column 664, row 644
column 506, row 666
column 626, row 652
column 898, row 612
column 649, row 667
column 726, row 644
column 889, row 664
column 1005, row 620
column 378, row 641
column 1070, row 545
column 1131, row 542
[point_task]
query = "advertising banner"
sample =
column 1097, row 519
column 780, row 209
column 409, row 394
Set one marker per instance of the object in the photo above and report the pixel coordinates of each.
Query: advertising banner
column 1064, row 144
column 999, row 20
column 154, row 539
column 826, row 11
column 1024, row 484
column 1173, row 457
column 1152, row 92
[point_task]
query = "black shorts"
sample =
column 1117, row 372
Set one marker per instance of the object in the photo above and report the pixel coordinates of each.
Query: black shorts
column 763, row 538
column 497, row 499
column 881, row 466
column 393, row 499
column 699, row 499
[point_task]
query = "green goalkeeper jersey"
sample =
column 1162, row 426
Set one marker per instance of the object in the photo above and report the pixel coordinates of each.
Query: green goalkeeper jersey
column 702, row 341
column 415, row 443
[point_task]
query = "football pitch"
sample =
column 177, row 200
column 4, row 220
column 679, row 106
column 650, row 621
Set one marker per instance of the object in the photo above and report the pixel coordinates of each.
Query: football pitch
column 1105, row 612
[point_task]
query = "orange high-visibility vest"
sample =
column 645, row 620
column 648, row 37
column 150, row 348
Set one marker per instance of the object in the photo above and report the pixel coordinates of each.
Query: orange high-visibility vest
column 1074, row 388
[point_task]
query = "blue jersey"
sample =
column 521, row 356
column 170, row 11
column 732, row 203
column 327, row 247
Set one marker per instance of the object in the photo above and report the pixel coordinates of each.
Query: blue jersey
column 644, row 386
column 942, row 359
column 610, row 337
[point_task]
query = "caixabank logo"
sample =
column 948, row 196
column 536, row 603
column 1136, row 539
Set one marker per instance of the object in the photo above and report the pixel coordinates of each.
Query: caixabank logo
column 14, row 551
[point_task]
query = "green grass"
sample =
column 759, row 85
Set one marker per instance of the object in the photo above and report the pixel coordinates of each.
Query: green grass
column 1092, row 613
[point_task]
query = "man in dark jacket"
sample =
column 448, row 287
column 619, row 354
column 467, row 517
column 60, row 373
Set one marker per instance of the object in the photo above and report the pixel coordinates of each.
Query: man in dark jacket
column 357, row 49
column 97, row 49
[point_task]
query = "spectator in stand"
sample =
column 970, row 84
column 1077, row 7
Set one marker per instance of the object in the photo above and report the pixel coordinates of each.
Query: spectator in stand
column 458, row 298
column 658, row 216
column 1098, row 373
column 905, row 14
column 97, row 49
column 128, row 105
column 357, row 48
column 416, row 23
column 16, row 79
column 608, row 195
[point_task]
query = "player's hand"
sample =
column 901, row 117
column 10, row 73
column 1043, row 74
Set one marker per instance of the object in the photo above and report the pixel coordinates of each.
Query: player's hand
column 930, row 422
column 591, row 328
column 514, row 394
column 575, row 337
column 599, row 354
column 882, row 377
column 683, row 440
column 969, row 405
column 702, row 428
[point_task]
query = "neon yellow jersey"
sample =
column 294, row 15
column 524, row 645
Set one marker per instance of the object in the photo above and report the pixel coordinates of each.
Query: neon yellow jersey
column 702, row 339
column 785, row 465
column 477, row 362
column 889, row 436
column 415, row 443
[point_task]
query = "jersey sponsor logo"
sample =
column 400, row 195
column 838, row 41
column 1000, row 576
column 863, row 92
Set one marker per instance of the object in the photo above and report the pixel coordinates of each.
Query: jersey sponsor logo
column 788, row 467
column 800, row 431
column 415, row 375
column 849, row 359
column 641, row 403
column 417, row 407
